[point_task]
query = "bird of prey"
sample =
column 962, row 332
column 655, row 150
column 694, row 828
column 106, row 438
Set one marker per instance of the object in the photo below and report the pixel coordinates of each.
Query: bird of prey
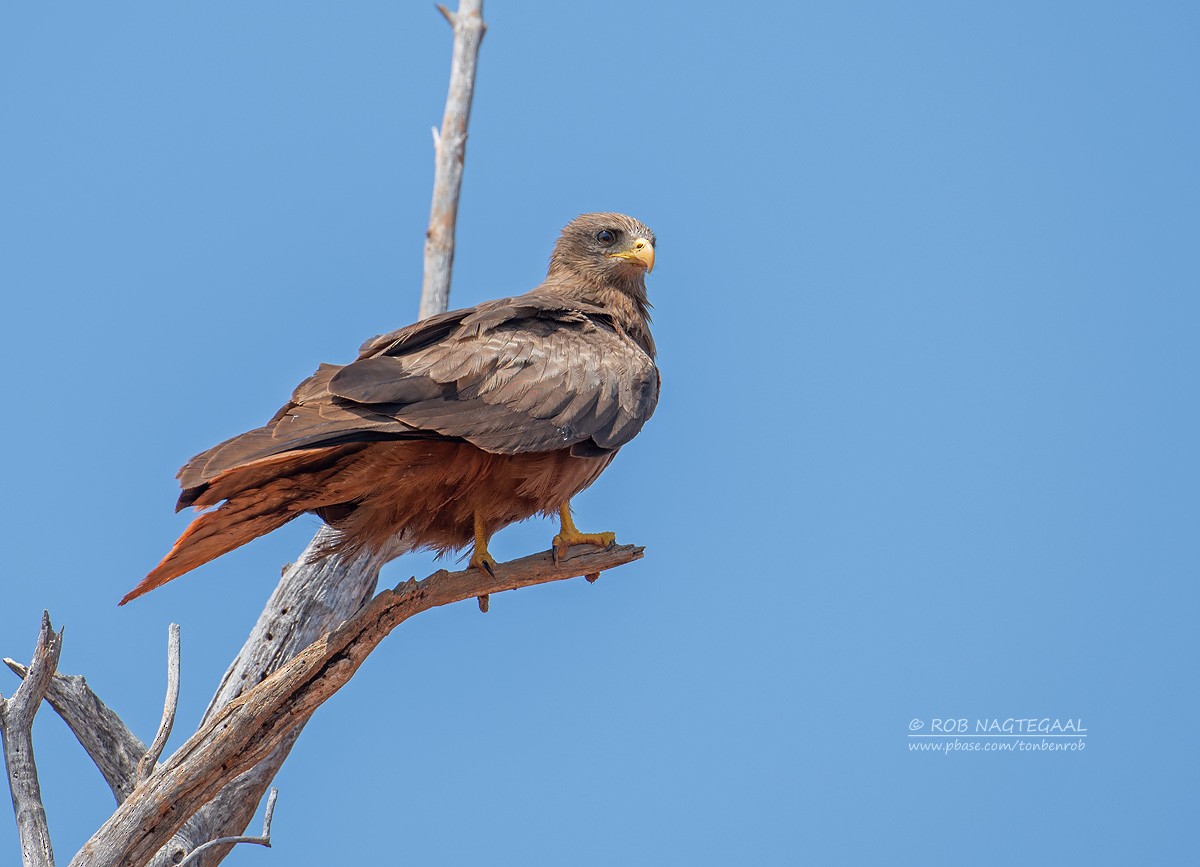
column 443, row 432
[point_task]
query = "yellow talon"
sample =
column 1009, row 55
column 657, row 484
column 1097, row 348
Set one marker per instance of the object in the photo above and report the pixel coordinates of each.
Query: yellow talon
column 481, row 558
column 569, row 535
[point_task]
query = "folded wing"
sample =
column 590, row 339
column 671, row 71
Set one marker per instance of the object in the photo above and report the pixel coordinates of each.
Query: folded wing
column 527, row 374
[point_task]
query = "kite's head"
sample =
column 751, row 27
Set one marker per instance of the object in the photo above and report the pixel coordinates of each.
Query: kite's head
column 615, row 248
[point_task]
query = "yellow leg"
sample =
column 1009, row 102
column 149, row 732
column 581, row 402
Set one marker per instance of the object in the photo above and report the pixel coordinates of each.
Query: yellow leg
column 481, row 559
column 569, row 535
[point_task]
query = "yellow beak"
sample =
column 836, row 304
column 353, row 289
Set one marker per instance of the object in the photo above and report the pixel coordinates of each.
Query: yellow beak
column 640, row 251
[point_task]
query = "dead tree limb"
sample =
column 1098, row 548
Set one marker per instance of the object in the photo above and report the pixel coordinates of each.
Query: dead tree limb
column 314, row 596
column 263, row 839
column 317, row 593
column 450, row 148
column 248, row 729
column 112, row 746
column 16, row 732
column 171, row 704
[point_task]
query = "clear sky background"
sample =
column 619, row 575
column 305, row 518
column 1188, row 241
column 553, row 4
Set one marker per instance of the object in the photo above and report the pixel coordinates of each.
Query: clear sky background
column 927, row 309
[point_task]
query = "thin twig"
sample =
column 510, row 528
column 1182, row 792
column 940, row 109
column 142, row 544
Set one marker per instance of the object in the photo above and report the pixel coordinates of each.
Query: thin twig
column 113, row 747
column 449, row 153
column 170, row 705
column 16, row 731
column 250, row 728
column 263, row 840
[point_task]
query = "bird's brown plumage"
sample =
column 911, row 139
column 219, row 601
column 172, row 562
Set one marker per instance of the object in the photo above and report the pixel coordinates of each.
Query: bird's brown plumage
column 466, row 421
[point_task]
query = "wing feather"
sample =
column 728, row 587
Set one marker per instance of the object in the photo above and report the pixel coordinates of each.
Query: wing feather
column 528, row 374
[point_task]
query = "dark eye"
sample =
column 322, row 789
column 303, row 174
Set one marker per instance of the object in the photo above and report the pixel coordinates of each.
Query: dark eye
column 606, row 237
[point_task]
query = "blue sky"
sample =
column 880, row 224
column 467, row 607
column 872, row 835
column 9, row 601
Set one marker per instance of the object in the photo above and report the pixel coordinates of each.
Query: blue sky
column 926, row 303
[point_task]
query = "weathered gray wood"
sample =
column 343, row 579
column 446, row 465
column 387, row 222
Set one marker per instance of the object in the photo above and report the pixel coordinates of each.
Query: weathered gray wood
column 170, row 705
column 314, row 596
column 450, row 148
column 263, row 839
column 16, row 733
column 112, row 746
column 251, row 727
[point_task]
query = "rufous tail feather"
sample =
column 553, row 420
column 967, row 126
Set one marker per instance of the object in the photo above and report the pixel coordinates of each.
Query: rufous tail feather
column 230, row 526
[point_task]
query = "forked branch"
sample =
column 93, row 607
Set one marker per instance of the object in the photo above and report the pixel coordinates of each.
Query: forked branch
column 263, row 840
column 113, row 747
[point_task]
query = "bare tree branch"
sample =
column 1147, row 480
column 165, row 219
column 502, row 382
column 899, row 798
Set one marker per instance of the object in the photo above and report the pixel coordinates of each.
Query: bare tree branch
column 16, row 731
column 248, row 729
column 171, row 704
column 263, row 840
column 450, row 149
column 113, row 747
column 314, row 596
column 315, row 593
